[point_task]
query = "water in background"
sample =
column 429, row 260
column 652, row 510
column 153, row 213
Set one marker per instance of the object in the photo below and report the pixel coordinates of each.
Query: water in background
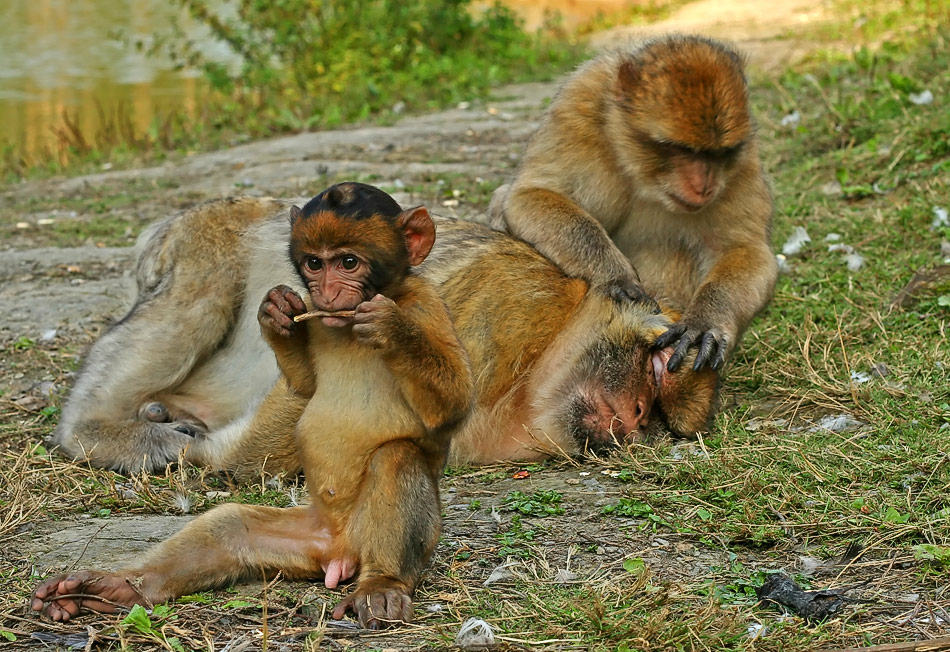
column 73, row 57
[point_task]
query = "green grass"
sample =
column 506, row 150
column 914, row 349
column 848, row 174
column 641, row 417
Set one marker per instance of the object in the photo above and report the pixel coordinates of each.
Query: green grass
column 539, row 503
column 770, row 478
column 309, row 65
column 814, row 352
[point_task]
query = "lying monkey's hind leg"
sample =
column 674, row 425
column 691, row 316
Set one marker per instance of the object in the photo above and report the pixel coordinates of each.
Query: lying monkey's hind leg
column 62, row 597
column 131, row 445
column 112, row 418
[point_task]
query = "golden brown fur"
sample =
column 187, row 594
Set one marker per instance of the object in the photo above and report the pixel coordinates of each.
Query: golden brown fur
column 539, row 344
column 557, row 369
column 644, row 178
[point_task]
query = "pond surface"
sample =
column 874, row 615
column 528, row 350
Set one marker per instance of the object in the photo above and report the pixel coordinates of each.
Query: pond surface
column 75, row 58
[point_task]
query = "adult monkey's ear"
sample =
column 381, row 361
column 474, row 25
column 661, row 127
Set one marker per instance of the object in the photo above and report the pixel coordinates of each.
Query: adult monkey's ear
column 687, row 398
column 419, row 230
column 628, row 79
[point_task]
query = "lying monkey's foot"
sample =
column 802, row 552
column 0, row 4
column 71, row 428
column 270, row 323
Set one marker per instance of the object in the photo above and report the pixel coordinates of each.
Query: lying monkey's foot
column 64, row 596
column 378, row 604
column 157, row 412
column 338, row 570
column 159, row 444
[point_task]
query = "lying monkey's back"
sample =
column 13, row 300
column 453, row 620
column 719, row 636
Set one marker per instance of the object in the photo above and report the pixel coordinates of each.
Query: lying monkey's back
column 506, row 330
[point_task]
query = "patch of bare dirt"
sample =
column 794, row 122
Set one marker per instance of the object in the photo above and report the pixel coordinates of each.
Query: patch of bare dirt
column 764, row 31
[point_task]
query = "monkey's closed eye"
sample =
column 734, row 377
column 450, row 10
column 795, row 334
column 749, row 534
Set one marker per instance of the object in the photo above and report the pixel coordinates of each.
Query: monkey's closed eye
column 314, row 263
column 681, row 150
column 349, row 262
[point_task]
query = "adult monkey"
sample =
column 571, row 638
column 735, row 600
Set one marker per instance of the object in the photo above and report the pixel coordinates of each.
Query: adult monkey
column 644, row 179
column 558, row 369
column 386, row 383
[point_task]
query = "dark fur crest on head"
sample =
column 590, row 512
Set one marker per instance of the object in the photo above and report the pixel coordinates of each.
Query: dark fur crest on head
column 351, row 200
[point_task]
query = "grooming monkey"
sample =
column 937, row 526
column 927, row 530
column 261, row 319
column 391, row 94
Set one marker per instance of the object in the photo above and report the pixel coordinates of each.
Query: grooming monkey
column 558, row 369
column 644, row 179
column 384, row 382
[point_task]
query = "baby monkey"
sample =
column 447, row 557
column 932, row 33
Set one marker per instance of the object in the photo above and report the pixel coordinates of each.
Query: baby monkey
column 386, row 384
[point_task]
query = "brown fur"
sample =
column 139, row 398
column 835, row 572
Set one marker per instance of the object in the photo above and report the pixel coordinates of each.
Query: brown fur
column 543, row 348
column 537, row 340
column 131, row 361
column 372, row 465
column 631, row 138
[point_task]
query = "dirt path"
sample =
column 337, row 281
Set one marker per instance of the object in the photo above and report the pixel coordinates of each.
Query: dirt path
column 764, row 31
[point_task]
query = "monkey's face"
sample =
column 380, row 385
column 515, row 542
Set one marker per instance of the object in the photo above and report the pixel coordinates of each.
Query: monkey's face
column 685, row 121
column 344, row 262
column 684, row 179
column 615, row 399
column 336, row 280
column 613, row 384
column 619, row 387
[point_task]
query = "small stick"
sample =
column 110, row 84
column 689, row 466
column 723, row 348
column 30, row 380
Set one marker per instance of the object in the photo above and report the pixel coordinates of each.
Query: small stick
column 933, row 645
column 324, row 313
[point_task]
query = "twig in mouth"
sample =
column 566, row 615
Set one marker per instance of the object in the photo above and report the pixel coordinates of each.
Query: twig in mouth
column 324, row 313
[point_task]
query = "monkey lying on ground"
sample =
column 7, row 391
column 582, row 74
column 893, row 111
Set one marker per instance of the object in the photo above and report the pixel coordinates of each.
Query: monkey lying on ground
column 559, row 370
column 644, row 179
column 382, row 388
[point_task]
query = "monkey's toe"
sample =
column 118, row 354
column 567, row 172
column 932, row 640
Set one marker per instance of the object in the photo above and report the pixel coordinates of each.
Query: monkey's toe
column 377, row 609
column 385, row 609
column 64, row 596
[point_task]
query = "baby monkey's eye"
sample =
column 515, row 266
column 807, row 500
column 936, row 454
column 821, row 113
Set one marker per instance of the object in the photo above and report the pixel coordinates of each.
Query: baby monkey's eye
column 349, row 262
column 314, row 263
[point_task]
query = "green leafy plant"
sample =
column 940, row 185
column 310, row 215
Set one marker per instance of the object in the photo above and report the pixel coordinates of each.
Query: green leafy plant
column 308, row 63
column 23, row 343
column 540, row 503
column 513, row 538
column 139, row 621
column 934, row 559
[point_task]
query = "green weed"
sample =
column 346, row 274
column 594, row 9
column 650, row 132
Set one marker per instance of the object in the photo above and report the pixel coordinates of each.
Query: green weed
column 540, row 503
